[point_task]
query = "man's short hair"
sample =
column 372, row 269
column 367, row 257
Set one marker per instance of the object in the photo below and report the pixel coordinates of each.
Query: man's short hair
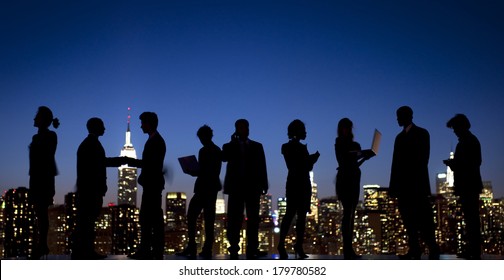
column 94, row 124
column 460, row 121
column 150, row 118
column 241, row 122
column 405, row 111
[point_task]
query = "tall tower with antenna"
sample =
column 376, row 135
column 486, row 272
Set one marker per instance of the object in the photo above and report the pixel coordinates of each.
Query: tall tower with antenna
column 127, row 189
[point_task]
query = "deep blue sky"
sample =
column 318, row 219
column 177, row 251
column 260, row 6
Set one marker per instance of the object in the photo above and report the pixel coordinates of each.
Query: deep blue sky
column 212, row 62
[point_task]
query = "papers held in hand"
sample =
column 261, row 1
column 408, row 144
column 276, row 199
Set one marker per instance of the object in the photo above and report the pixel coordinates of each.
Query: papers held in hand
column 375, row 145
column 189, row 164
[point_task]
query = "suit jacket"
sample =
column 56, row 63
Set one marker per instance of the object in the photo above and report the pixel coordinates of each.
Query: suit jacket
column 246, row 168
column 210, row 163
column 92, row 167
column 152, row 176
column 466, row 165
column 410, row 172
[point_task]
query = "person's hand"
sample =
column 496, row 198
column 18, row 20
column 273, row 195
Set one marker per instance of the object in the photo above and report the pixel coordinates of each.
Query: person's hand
column 367, row 154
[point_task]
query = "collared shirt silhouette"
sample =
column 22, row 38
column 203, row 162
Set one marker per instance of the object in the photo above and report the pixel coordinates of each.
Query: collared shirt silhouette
column 246, row 179
column 42, row 172
column 91, row 188
column 467, row 181
column 409, row 182
column 152, row 180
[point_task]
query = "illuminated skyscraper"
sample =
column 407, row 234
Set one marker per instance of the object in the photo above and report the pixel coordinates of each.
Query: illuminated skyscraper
column 71, row 218
column 444, row 182
column 127, row 185
column 282, row 208
column 384, row 219
column 314, row 201
column 176, row 226
column 125, row 229
column 57, row 236
column 265, row 206
column 220, row 206
column 330, row 216
column 19, row 224
column 176, row 210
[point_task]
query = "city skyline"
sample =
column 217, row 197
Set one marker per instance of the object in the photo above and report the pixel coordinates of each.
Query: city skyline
column 196, row 63
column 378, row 225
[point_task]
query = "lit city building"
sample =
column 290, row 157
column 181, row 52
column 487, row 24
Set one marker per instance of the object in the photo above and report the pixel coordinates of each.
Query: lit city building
column 282, row 208
column 330, row 215
column 57, row 235
column 384, row 220
column 71, row 218
column 2, row 223
column 175, row 222
column 314, row 200
column 19, row 224
column 127, row 183
column 266, row 225
column 220, row 206
column 125, row 229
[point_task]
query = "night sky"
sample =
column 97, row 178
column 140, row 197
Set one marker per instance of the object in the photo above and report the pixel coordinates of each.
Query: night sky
column 212, row 62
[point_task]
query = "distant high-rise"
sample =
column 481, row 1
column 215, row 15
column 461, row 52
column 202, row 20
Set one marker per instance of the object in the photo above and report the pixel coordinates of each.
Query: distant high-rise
column 176, row 226
column 125, row 229
column 384, row 219
column 127, row 189
column 265, row 206
column 176, row 210
column 314, row 205
column 19, row 224
column 220, row 206
column 330, row 215
column 282, row 208
column 444, row 182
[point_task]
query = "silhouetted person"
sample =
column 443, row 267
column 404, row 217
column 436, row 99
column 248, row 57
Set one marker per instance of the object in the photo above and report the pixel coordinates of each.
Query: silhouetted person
column 206, row 187
column 152, row 180
column 298, row 187
column 349, row 156
column 467, row 181
column 42, row 172
column 246, row 179
column 91, row 188
column 409, row 182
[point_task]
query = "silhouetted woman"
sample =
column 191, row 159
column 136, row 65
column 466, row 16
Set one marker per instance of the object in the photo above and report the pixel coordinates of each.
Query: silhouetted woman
column 349, row 156
column 298, row 187
column 42, row 172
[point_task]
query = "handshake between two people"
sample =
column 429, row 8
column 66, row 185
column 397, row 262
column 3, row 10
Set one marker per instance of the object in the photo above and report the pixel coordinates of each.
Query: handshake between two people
column 120, row 161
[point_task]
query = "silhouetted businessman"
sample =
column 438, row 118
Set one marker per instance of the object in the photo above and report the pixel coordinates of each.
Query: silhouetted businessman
column 409, row 182
column 246, row 179
column 206, row 187
column 152, row 180
column 467, row 181
column 91, row 187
